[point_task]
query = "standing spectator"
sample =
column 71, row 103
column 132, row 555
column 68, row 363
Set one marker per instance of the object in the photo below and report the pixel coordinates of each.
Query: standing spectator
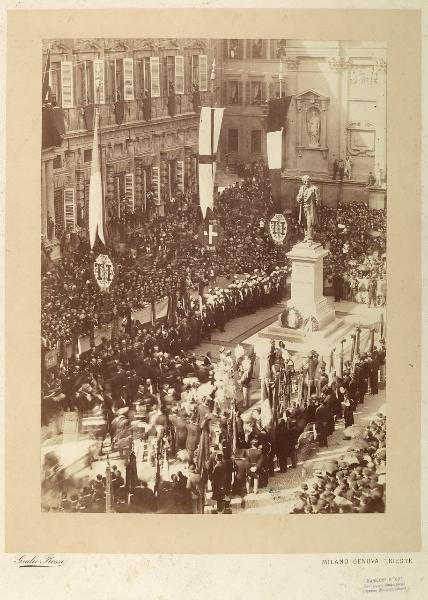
column 196, row 487
column 348, row 168
column 337, row 286
column 348, row 412
column 372, row 292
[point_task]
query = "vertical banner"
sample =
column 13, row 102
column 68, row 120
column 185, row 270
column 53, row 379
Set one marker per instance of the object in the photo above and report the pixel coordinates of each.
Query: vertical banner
column 96, row 213
column 209, row 133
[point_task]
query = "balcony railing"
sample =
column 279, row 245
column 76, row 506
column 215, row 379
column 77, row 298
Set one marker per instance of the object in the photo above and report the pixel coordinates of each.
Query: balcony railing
column 74, row 119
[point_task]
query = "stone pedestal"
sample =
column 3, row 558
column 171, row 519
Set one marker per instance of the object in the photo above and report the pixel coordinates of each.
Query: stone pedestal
column 307, row 283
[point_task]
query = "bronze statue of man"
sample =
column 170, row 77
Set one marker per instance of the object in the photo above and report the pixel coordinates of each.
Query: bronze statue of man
column 308, row 198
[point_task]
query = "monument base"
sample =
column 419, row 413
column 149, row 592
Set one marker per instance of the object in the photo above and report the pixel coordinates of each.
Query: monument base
column 328, row 340
column 307, row 283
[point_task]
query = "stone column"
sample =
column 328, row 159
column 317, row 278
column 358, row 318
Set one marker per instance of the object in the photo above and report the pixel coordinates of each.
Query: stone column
column 138, row 183
column 380, row 145
column 292, row 125
column 343, row 114
column 44, row 202
column 340, row 65
column 50, row 191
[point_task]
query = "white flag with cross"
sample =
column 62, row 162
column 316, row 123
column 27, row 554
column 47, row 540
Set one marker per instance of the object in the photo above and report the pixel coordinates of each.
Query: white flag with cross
column 212, row 233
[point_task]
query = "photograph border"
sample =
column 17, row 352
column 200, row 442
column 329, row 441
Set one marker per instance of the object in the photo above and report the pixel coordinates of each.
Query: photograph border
column 30, row 530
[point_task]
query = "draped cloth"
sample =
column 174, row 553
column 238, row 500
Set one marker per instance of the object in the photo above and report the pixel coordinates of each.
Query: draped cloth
column 96, row 208
column 209, row 133
column 277, row 115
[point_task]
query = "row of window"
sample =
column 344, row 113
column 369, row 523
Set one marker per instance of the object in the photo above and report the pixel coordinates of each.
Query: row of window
column 233, row 141
column 101, row 80
column 68, row 214
column 252, row 92
column 253, row 49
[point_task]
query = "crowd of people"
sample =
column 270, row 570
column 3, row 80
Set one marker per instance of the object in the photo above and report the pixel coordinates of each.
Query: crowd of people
column 145, row 384
column 161, row 250
column 355, row 483
column 181, row 411
column 164, row 254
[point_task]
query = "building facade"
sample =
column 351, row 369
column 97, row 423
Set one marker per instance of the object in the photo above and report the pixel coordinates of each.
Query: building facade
column 337, row 111
column 148, row 93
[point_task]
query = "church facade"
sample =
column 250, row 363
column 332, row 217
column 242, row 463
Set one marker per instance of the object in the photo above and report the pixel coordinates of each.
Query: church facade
column 337, row 112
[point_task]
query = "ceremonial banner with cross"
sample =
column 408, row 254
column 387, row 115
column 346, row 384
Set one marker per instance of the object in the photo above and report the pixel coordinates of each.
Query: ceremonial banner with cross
column 209, row 133
column 211, row 234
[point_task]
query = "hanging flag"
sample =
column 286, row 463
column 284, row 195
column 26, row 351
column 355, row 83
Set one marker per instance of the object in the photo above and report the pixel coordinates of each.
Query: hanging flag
column 277, row 114
column 196, row 98
column 119, row 111
column 51, row 126
column 88, row 114
column 209, row 133
column 147, row 107
column 274, row 155
column 45, row 81
column 96, row 212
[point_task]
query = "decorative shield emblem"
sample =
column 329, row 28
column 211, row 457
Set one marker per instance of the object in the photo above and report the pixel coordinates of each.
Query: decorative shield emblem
column 278, row 228
column 103, row 271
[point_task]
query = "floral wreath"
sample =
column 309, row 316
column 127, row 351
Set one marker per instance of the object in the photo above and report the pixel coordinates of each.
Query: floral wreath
column 285, row 317
column 311, row 323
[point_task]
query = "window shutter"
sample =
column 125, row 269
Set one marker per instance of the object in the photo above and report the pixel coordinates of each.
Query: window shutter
column 225, row 98
column 203, row 77
column 241, row 49
column 273, row 49
column 264, row 91
column 67, row 84
column 179, row 175
column 240, row 94
column 249, row 49
column 248, row 99
column 264, row 49
column 154, row 77
column 128, row 79
column 179, row 74
column 99, row 81
column 156, row 184
column 271, row 90
column 129, row 190
column 69, row 209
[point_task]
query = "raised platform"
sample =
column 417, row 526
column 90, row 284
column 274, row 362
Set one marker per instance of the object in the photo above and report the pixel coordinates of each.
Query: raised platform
column 299, row 343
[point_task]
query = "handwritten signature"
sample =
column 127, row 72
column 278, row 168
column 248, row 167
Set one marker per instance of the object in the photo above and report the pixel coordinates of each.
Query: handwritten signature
column 34, row 560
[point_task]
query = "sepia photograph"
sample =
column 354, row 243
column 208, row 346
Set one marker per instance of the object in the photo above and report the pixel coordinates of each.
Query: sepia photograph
column 213, row 276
